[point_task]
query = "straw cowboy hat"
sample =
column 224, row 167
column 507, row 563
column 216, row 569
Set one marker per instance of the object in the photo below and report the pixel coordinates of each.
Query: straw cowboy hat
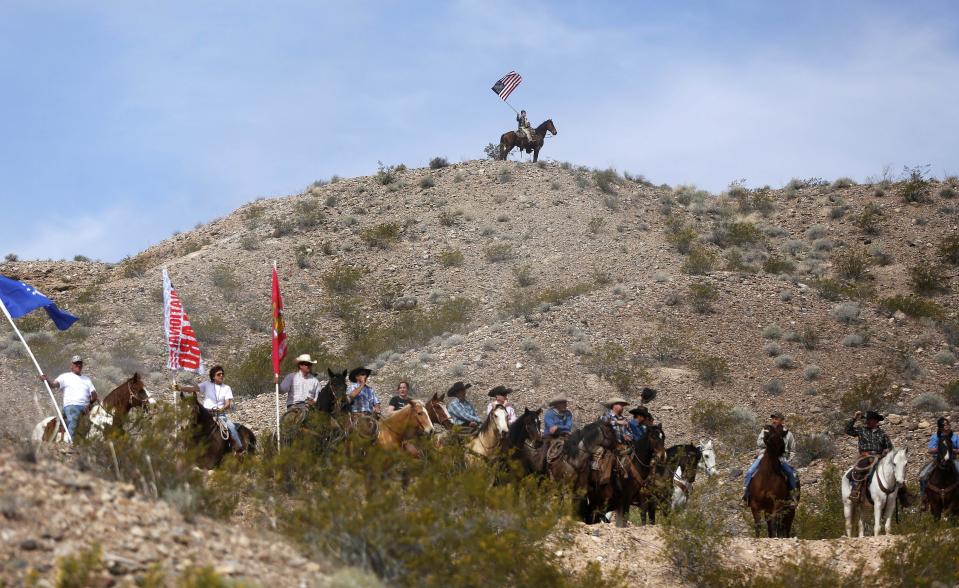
column 557, row 400
column 615, row 400
column 305, row 358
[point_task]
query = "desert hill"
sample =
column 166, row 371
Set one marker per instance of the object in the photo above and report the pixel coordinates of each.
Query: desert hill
column 813, row 299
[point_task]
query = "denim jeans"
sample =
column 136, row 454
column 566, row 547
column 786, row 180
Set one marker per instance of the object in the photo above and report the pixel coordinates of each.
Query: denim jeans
column 234, row 434
column 790, row 473
column 71, row 414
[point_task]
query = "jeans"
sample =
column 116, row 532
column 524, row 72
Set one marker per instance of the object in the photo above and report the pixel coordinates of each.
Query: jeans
column 71, row 414
column 234, row 434
column 790, row 473
column 924, row 475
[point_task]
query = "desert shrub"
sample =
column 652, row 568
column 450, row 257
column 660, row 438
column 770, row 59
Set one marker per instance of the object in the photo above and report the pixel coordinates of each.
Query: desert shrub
column 854, row 340
column 846, row 313
column 810, row 372
column 282, row 227
column 595, row 225
column 132, row 267
column 851, row 264
column 772, row 332
column 821, row 246
column 785, row 362
column 682, row 236
column 820, row 514
column 524, row 275
column 866, row 393
column 949, row 249
column 667, row 347
column 616, row 365
column 11, row 257
column 878, row 255
column 772, row 349
column 927, row 558
column 743, row 233
column 694, row 541
column 869, row 220
column 916, row 187
column 524, row 302
column 225, row 280
column 842, row 182
column 927, row 280
column 794, row 247
column 386, row 174
column 381, row 236
column 210, row 329
column 816, row 232
column 702, row 295
column 438, row 163
column 951, row 392
column 838, row 211
column 835, row 290
column 607, row 180
column 492, row 151
column 426, row 182
column 249, row 242
column 775, row 264
column 813, row 446
column 773, row 387
column 699, row 261
column 945, row 357
column 505, row 176
column 809, row 338
column 340, row 280
column 498, row 252
column 904, row 362
column 711, row 369
column 308, row 214
column 929, row 402
column 451, row 258
column 448, row 218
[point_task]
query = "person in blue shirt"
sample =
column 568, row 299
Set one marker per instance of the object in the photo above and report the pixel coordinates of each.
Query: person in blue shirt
column 558, row 420
column 641, row 418
column 360, row 394
column 461, row 411
column 943, row 429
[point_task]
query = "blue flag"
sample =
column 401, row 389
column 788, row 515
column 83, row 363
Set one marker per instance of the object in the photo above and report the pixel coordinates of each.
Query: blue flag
column 20, row 299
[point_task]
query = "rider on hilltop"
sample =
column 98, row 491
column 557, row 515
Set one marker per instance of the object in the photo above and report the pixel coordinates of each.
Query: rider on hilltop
column 777, row 419
column 524, row 128
column 873, row 445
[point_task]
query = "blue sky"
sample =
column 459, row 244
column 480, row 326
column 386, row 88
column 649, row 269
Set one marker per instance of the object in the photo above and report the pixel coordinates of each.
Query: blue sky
column 126, row 121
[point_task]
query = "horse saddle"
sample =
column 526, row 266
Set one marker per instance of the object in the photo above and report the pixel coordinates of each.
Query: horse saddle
column 861, row 474
column 554, row 449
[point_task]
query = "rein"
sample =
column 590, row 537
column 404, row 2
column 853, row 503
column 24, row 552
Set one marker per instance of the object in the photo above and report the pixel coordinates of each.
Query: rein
column 882, row 486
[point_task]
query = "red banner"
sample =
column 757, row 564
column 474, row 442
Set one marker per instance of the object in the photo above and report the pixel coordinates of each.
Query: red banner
column 279, row 327
column 182, row 345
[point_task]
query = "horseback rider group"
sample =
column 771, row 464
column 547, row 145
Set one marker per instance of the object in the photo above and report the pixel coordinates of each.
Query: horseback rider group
column 777, row 419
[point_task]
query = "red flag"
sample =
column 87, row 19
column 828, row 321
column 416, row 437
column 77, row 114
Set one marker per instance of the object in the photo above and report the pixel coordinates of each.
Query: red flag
column 279, row 328
column 183, row 349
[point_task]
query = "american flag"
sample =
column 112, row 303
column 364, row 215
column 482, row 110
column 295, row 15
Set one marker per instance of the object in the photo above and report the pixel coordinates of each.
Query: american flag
column 506, row 84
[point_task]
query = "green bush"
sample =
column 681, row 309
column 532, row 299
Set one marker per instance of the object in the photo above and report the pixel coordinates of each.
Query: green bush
column 700, row 261
column 712, row 370
column 804, row 569
column 834, row 290
column 607, row 180
column 381, row 236
column 595, row 225
column 870, row 218
column 617, row 366
column 916, row 188
column 438, row 163
column 386, row 174
column 927, row 280
column 820, row 513
column 695, row 545
column 498, row 252
column 132, row 267
column 927, row 558
column 427, row 182
column 775, row 264
column 341, row 279
column 80, row 570
column 743, row 233
column 451, row 258
column 911, row 306
column 951, row 392
column 524, row 303
column 407, row 329
column 308, row 214
column 851, row 264
column 702, row 295
column 949, row 249
column 866, row 393
column 225, row 280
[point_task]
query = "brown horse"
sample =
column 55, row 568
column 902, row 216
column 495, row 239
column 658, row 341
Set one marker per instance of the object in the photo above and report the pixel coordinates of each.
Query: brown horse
column 437, row 411
column 512, row 139
column 398, row 429
column 213, row 444
column 653, row 484
column 769, row 489
column 318, row 420
column 108, row 414
column 942, row 487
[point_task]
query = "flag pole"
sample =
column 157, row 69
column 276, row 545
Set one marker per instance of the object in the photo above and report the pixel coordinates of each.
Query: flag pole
column 276, row 384
column 511, row 106
column 6, row 313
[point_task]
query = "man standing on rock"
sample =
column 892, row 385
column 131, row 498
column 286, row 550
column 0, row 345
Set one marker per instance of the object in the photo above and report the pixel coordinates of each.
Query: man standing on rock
column 302, row 387
column 78, row 393
column 873, row 445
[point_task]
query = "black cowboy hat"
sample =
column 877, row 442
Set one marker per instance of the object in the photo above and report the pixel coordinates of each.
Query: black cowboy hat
column 499, row 391
column 458, row 387
column 871, row 414
column 641, row 411
column 778, row 415
column 648, row 395
column 360, row 370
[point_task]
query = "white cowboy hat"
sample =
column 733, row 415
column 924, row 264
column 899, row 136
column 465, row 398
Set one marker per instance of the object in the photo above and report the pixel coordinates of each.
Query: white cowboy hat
column 305, row 358
column 615, row 400
column 557, row 400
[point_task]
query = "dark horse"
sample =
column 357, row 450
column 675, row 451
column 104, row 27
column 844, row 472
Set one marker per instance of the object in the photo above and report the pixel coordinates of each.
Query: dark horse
column 207, row 436
column 769, row 489
column 317, row 419
column 512, row 139
column 651, row 485
column 524, row 440
column 942, row 487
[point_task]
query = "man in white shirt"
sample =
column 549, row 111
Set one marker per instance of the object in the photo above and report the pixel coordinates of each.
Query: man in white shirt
column 217, row 398
column 78, row 392
column 301, row 387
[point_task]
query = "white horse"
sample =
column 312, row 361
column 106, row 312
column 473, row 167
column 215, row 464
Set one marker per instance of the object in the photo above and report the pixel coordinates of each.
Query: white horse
column 683, row 487
column 889, row 477
column 489, row 437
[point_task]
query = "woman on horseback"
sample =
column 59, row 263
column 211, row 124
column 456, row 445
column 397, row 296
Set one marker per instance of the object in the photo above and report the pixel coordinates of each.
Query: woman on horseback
column 217, row 398
column 943, row 430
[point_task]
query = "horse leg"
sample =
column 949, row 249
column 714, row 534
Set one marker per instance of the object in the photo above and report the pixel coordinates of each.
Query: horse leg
column 877, row 508
column 622, row 513
column 847, row 511
column 757, row 522
column 535, row 154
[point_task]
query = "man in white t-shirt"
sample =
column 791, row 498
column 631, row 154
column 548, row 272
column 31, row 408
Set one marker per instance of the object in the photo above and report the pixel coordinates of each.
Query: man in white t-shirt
column 217, row 398
column 78, row 392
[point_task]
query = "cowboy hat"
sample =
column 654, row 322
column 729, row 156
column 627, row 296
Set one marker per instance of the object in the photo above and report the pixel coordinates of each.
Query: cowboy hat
column 76, row 359
column 641, row 411
column 557, row 400
column 360, row 370
column 305, row 358
column 499, row 391
column 457, row 387
column 615, row 400
column 871, row 414
column 648, row 395
column 778, row 415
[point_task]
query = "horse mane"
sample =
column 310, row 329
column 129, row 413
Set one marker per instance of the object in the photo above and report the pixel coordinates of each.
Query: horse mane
column 541, row 129
column 517, row 430
column 112, row 400
column 489, row 418
column 589, row 436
